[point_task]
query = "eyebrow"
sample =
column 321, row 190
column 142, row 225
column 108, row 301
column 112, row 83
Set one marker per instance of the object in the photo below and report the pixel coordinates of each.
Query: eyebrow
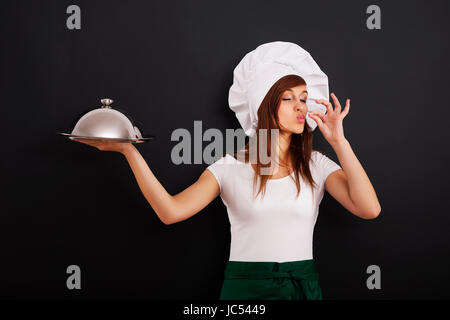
column 300, row 92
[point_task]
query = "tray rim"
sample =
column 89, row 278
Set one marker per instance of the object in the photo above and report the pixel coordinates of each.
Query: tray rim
column 132, row 140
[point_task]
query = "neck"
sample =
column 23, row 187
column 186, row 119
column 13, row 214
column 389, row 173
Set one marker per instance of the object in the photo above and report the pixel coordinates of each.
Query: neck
column 284, row 141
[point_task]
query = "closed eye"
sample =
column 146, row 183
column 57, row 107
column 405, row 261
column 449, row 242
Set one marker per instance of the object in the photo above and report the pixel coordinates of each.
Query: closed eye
column 284, row 99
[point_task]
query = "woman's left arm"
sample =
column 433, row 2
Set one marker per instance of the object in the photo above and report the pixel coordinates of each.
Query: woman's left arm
column 351, row 186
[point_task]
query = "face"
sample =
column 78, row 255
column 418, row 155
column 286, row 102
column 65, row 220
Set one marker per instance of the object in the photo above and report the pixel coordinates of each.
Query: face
column 292, row 111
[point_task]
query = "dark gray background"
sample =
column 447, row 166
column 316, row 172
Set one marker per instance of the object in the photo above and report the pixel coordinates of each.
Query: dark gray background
column 170, row 63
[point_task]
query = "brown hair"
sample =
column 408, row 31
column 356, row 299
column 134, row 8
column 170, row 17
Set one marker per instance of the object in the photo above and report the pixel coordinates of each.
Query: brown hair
column 300, row 147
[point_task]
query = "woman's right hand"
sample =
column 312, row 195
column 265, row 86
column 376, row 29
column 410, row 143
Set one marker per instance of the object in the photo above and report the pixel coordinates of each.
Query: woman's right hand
column 105, row 145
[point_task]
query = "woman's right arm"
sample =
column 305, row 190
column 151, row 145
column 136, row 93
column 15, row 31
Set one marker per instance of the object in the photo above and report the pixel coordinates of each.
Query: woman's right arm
column 171, row 209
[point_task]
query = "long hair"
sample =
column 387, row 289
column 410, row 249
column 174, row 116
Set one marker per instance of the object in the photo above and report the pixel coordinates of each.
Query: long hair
column 300, row 148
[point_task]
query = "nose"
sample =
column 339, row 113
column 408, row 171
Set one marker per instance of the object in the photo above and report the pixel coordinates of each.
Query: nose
column 298, row 107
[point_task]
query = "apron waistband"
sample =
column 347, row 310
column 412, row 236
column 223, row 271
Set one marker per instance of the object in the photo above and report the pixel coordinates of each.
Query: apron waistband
column 294, row 274
column 302, row 273
column 299, row 270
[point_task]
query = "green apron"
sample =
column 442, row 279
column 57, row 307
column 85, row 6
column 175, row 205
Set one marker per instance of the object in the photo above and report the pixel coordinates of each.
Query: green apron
column 293, row 280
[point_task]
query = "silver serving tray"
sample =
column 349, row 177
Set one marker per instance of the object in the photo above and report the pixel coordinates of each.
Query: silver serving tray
column 106, row 124
column 131, row 140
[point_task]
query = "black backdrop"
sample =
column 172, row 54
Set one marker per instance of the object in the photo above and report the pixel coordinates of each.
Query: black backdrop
column 169, row 64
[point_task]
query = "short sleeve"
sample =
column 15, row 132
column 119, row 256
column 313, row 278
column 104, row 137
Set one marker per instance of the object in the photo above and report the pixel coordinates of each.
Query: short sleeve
column 324, row 165
column 219, row 170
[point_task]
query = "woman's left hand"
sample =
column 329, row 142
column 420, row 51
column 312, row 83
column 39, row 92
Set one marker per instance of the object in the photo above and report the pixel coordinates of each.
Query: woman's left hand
column 330, row 124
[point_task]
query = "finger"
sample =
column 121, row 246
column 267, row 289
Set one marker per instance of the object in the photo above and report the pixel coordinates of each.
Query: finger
column 79, row 140
column 336, row 103
column 346, row 109
column 318, row 114
column 317, row 119
column 87, row 141
column 327, row 104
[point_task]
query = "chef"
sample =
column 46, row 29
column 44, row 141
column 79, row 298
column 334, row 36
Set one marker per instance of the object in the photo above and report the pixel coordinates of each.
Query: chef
column 279, row 85
column 272, row 215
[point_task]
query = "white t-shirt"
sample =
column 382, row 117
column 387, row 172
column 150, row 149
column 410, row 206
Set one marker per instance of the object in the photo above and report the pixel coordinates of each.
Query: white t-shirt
column 278, row 227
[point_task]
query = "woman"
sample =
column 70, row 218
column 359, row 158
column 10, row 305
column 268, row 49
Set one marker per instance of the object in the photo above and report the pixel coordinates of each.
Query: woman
column 272, row 229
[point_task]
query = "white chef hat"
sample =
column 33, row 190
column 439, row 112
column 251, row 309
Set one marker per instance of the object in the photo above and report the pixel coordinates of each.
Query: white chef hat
column 261, row 68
